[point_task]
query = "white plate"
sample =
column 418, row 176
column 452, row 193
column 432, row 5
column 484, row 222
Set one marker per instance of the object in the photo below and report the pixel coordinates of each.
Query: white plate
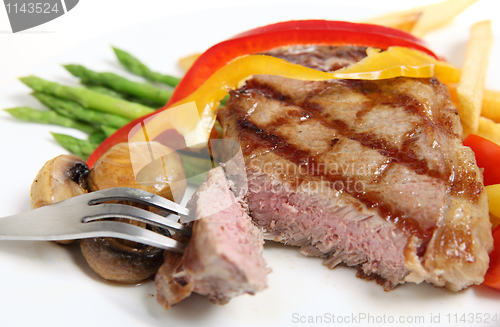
column 43, row 283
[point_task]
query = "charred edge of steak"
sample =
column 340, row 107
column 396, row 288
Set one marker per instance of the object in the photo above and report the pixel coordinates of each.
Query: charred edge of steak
column 378, row 279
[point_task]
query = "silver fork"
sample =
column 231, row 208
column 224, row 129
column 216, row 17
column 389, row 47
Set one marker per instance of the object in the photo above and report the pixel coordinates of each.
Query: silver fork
column 80, row 217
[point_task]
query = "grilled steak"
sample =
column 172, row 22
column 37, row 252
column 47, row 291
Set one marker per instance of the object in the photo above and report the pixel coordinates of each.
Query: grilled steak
column 224, row 256
column 372, row 174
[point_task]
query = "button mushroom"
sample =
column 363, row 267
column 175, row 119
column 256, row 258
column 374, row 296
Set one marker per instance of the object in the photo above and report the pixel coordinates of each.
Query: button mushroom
column 121, row 261
column 149, row 166
column 132, row 166
column 59, row 179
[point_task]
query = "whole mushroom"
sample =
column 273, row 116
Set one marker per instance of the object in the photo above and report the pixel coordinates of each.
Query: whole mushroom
column 149, row 166
column 133, row 165
column 59, row 179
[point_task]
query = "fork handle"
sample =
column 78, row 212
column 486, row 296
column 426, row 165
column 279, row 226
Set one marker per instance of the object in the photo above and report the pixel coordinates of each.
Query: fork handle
column 31, row 225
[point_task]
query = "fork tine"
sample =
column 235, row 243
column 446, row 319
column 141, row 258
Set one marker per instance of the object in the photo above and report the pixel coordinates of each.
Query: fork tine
column 139, row 196
column 114, row 210
column 133, row 233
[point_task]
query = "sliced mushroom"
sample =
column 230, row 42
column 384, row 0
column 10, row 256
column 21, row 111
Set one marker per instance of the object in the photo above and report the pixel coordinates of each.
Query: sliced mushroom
column 59, row 179
column 123, row 166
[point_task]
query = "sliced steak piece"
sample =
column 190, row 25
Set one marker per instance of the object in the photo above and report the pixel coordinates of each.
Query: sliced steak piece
column 224, row 256
column 369, row 173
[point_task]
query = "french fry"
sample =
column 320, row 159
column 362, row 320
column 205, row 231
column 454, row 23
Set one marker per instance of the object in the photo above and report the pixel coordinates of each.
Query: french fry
column 421, row 20
column 490, row 108
column 470, row 87
column 404, row 20
column 491, row 105
column 439, row 15
column 489, row 130
column 188, row 61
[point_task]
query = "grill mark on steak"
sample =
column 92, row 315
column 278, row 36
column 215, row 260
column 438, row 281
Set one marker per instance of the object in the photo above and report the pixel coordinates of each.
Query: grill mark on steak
column 467, row 186
column 406, row 155
column 259, row 136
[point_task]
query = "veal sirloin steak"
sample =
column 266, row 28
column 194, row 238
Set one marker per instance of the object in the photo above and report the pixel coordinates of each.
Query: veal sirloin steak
column 369, row 173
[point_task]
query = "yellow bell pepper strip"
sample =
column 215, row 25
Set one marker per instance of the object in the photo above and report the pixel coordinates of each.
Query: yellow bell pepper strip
column 396, row 61
column 493, row 192
column 207, row 96
column 399, row 61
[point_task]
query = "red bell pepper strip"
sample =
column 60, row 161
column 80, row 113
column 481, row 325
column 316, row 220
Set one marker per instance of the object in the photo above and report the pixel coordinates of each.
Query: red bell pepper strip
column 267, row 38
column 492, row 277
column 330, row 25
column 487, row 157
column 345, row 34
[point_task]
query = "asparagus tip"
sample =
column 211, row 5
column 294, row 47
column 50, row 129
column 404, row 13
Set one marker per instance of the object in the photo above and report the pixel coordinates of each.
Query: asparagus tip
column 71, row 67
column 27, row 79
column 15, row 109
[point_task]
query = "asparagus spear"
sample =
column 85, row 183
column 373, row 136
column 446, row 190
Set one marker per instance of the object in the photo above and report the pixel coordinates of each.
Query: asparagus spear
column 78, row 147
column 87, row 98
column 73, row 110
column 112, row 93
column 224, row 100
column 196, row 169
column 108, row 130
column 97, row 137
column 106, row 91
column 120, row 84
column 49, row 117
column 135, row 66
column 196, row 179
